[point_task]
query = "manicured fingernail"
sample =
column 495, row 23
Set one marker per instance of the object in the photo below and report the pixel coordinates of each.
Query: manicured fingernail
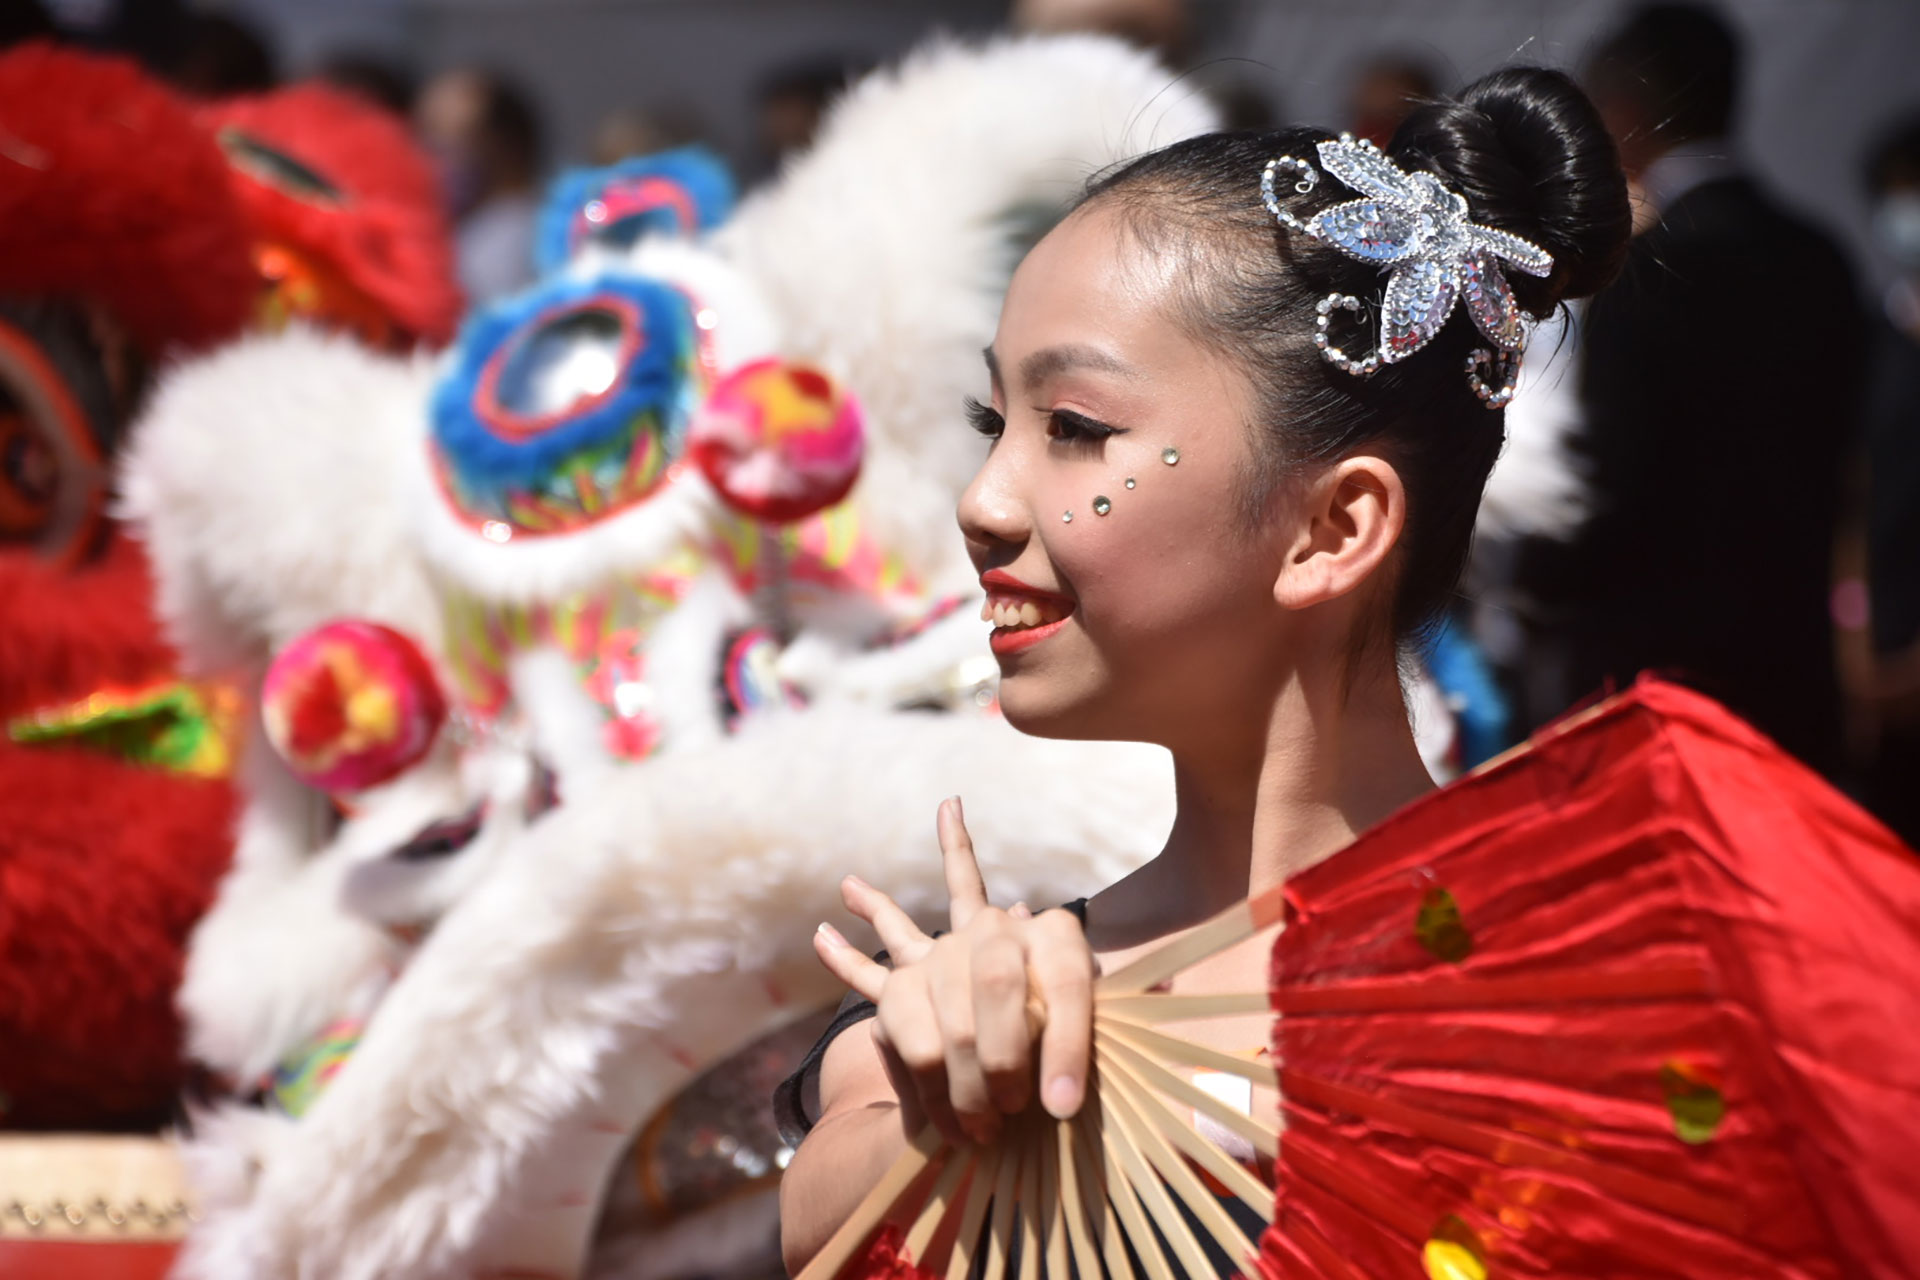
column 856, row 882
column 1020, row 911
column 832, row 935
column 1061, row 1097
column 959, row 810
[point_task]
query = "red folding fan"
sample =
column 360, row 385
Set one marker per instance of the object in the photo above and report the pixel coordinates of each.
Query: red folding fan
column 1641, row 999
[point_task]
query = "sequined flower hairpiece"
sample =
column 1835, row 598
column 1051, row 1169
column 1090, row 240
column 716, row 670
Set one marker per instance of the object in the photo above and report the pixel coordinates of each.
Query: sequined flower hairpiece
column 1412, row 225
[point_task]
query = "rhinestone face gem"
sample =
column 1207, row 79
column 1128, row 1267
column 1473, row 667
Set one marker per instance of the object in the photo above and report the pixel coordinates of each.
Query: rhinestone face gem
column 1441, row 928
column 1170, row 456
column 1130, row 482
column 1066, row 517
column 1694, row 1100
column 1101, row 506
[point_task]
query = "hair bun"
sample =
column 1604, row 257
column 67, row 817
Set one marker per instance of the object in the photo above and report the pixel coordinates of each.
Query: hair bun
column 1530, row 153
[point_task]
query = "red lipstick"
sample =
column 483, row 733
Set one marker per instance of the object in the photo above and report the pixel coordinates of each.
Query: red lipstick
column 1007, row 640
column 1000, row 582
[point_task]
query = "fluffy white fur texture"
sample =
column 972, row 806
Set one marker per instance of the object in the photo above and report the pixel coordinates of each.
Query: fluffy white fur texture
column 640, row 920
column 265, row 480
column 1537, row 486
column 279, row 954
column 884, row 250
column 297, row 927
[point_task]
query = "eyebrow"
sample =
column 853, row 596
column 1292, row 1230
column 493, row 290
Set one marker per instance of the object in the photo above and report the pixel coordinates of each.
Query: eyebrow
column 1052, row 361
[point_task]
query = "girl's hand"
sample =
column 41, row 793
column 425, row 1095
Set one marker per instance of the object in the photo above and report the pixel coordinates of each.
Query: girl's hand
column 960, row 1014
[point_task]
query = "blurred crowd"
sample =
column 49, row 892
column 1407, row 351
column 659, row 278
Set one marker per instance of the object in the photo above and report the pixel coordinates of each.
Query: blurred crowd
column 1741, row 421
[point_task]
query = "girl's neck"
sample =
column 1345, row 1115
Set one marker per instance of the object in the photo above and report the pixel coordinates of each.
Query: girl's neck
column 1329, row 762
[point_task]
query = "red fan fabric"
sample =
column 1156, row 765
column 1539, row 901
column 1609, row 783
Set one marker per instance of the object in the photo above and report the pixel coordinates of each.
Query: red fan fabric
column 111, row 196
column 1641, row 1001
column 387, row 235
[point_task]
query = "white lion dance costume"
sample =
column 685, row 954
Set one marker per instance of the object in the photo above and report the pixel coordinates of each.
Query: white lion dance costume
column 585, row 678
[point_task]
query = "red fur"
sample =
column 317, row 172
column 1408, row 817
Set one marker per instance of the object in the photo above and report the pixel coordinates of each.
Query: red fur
column 110, row 194
column 104, row 867
column 66, row 632
column 389, row 238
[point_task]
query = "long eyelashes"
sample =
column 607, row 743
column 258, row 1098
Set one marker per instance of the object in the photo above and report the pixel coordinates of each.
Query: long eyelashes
column 1069, row 427
column 1063, row 425
column 984, row 419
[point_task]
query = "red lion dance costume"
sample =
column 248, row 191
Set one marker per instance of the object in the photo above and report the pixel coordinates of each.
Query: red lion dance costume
column 125, row 247
column 138, row 232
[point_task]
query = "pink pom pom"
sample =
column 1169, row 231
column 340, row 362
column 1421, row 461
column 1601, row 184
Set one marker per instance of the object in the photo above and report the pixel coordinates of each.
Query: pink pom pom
column 351, row 705
column 779, row 441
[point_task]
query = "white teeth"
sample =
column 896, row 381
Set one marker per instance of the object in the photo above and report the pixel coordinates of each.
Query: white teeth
column 1016, row 612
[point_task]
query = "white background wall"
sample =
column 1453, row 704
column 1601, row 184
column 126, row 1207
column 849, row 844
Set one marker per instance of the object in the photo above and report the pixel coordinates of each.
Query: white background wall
column 1822, row 74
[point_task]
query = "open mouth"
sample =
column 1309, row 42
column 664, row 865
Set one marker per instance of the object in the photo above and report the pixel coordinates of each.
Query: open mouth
column 1022, row 621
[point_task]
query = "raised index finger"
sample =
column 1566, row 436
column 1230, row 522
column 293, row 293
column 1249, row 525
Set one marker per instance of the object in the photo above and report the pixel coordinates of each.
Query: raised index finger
column 966, row 891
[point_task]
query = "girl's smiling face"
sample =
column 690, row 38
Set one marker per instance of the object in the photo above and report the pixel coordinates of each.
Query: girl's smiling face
column 1133, row 598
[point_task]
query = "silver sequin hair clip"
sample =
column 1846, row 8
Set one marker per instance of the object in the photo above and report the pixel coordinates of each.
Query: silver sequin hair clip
column 1412, row 225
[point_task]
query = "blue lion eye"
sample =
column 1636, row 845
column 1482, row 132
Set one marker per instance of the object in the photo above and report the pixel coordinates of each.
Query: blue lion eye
column 565, row 405
column 561, row 362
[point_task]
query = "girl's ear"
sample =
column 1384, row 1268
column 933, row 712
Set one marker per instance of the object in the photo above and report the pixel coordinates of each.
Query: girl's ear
column 1350, row 521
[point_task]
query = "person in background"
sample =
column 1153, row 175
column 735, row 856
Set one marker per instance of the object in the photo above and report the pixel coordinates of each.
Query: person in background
column 1383, row 94
column 625, row 132
column 1163, row 27
column 486, row 136
column 1720, row 392
column 1891, row 444
column 216, row 55
column 380, row 80
column 792, row 99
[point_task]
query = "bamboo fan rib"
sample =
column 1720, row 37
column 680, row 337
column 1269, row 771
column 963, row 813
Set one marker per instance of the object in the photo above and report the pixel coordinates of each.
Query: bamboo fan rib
column 1122, row 1188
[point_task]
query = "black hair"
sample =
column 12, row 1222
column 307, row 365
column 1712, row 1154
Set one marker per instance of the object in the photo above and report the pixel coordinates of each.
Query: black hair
column 511, row 122
column 1681, row 62
column 374, row 77
column 1530, row 154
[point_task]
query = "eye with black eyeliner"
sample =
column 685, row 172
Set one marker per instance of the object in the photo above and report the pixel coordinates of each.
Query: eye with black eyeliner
column 1068, row 427
column 984, row 419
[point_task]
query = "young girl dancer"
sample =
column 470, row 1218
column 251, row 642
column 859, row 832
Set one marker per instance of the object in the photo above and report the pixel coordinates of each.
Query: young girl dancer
column 1210, row 520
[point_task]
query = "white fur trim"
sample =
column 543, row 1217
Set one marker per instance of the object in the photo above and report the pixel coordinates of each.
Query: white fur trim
column 634, row 932
column 264, row 480
column 278, row 955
